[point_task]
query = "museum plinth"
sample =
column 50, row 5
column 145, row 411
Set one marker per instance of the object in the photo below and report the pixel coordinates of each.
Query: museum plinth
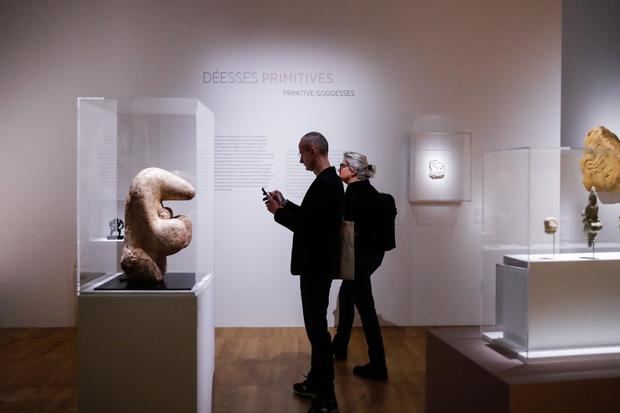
column 466, row 374
column 146, row 351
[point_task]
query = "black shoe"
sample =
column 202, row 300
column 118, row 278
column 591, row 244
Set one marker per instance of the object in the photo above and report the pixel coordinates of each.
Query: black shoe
column 369, row 371
column 305, row 389
column 322, row 405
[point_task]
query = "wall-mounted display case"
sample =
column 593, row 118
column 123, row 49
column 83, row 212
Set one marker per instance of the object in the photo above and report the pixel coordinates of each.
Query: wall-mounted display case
column 544, row 293
column 440, row 167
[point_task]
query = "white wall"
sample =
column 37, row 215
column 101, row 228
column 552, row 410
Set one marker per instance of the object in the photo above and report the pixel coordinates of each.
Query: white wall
column 488, row 67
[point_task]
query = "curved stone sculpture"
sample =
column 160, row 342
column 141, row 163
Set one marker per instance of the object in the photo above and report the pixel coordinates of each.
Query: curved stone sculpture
column 600, row 164
column 152, row 232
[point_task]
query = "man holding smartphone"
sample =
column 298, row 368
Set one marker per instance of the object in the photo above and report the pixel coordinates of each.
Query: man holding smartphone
column 315, row 258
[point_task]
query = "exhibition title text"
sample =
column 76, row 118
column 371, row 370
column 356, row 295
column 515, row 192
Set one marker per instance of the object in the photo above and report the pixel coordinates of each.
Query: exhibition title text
column 275, row 78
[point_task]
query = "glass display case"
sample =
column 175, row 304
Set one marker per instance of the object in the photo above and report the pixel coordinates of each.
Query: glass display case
column 547, row 291
column 117, row 138
column 440, row 167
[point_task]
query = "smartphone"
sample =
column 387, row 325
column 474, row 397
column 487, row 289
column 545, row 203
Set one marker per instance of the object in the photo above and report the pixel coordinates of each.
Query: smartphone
column 265, row 194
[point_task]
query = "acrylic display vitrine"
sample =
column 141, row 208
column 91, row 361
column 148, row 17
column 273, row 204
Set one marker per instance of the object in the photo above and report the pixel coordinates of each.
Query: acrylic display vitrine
column 547, row 294
column 156, row 339
column 116, row 139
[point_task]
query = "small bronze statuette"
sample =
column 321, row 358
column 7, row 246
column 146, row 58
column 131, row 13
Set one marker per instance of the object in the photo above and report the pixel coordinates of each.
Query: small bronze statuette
column 116, row 225
column 591, row 225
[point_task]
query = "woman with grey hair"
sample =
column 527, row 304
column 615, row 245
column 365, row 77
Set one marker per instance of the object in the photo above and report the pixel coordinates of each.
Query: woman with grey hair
column 362, row 205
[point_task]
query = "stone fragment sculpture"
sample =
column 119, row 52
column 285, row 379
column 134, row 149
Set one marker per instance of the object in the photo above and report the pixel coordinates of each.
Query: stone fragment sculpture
column 591, row 225
column 600, row 163
column 551, row 225
column 152, row 232
column 436, row 169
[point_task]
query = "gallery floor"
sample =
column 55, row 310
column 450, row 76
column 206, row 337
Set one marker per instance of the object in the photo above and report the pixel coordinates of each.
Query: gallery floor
column 254, row 370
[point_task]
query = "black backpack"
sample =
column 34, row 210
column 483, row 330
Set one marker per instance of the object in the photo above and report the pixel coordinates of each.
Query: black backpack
column 387, row 221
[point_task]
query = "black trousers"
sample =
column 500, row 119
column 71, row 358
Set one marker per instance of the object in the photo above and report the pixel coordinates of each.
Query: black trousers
column 358, row 293
column 314, row 301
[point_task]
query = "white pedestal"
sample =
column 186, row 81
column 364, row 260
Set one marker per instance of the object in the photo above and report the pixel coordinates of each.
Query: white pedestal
column 565, row 304
column 146, row 351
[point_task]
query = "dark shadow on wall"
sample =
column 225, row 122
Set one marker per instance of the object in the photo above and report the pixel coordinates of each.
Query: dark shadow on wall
column 436, row 213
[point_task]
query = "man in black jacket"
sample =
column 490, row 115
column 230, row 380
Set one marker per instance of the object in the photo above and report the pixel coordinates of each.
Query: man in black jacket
column 315, row 258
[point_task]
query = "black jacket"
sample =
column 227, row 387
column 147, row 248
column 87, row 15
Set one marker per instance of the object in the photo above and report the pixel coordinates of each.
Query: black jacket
column 316, row 226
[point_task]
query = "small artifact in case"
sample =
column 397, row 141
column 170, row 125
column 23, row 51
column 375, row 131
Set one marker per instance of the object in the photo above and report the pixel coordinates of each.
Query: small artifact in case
column 591, row 224
column 116, row 225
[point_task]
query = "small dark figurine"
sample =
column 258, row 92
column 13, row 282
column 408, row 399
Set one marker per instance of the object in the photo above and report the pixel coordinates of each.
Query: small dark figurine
column 116, row 225
column 591, row 225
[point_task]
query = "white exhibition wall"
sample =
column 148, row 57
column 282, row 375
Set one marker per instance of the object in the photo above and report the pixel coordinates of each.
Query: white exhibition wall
column 487, row 67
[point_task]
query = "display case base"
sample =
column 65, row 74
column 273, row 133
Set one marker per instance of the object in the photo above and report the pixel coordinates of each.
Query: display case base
column 560, row 307
column 146, row 351
column 172, row 281
column 496, row 338
column 465, row 374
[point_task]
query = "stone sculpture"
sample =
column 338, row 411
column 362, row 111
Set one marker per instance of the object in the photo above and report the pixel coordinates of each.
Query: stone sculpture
column 600, row 164
column 436, row 169
column 152, row 232
column 551, row 225
column 591, row 225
